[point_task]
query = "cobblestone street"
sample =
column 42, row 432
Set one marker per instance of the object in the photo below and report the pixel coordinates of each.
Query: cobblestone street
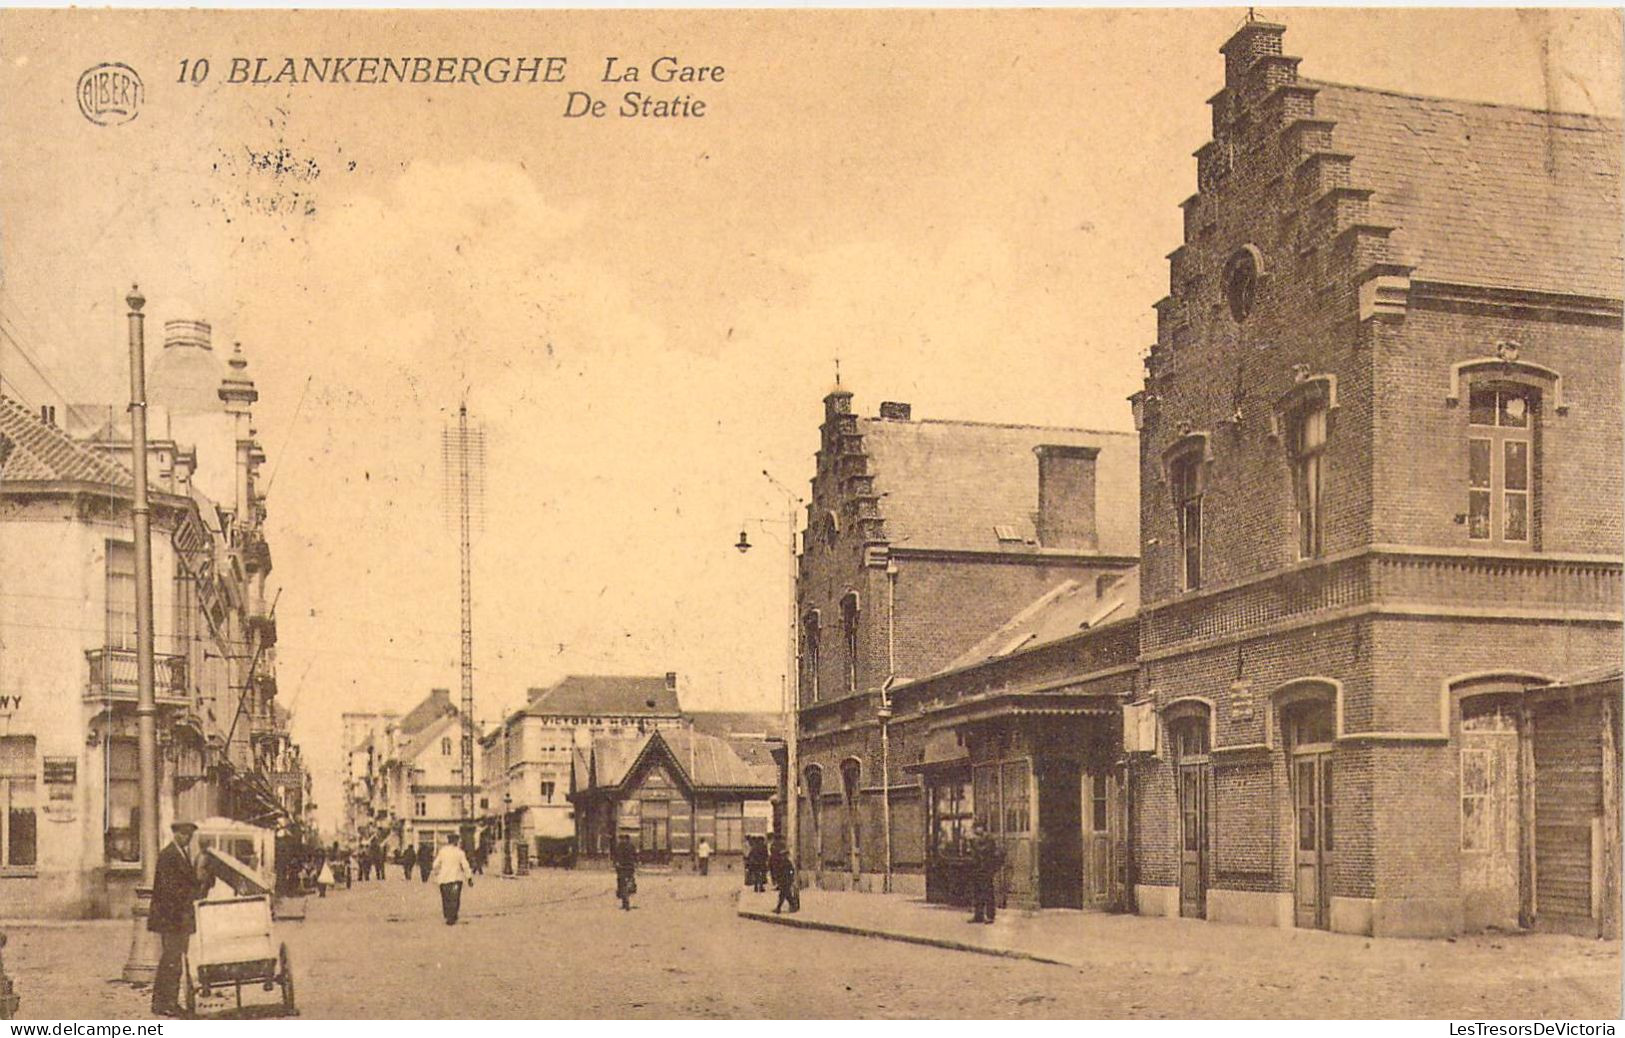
column 555, row 944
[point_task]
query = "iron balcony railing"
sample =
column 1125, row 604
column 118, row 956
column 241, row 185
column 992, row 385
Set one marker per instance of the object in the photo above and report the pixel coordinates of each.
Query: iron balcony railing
column 113, row 677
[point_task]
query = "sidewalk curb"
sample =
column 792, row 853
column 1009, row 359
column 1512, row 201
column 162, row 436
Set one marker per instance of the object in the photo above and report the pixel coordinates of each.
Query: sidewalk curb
column 61, row 924
column 906, row 938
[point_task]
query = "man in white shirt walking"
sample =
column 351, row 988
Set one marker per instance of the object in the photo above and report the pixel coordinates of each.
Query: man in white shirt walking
column 451, row 870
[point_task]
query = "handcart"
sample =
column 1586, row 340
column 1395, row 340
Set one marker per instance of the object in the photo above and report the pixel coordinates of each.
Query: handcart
column 234, row 959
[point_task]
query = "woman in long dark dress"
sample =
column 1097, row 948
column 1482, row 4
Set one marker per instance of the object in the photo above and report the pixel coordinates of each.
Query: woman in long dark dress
column 625, row 857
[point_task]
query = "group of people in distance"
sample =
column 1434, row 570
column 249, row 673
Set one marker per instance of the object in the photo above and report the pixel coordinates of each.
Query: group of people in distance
column 767, row 858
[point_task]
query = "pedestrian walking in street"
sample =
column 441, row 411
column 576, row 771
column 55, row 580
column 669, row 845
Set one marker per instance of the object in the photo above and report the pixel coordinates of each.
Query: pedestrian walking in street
column 783, row 871
column 702, row 856
column 985, row 858
column 409, row 861
column 425, row 861
column 379, row 858
column 179, row 879
column 625, row 857
column 366, row 866
column 756, row 864
column 451, row 871
column 324, row 877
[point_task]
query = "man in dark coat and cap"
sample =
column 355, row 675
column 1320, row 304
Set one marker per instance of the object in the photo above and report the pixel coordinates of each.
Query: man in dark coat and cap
column 179, row 879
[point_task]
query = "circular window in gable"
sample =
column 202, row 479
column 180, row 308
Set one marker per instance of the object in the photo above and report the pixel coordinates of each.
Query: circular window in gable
column 1241, row 277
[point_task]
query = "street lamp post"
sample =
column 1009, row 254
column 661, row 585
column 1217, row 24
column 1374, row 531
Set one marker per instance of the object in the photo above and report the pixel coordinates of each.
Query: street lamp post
column 142, row 963
column 792, row 697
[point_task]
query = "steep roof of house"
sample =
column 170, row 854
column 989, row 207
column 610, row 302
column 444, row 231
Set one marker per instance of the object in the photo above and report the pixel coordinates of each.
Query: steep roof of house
column 613, row 757
column 1061, row 612
column 607, row 695
column 704, row 761
column 707, row 761
column 1488, row 195
column 32, row 451
column 435, row 705
column 952, row 484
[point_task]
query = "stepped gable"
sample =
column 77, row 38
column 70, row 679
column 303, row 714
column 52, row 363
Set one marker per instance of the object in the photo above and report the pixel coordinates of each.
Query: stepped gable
column 34, row 452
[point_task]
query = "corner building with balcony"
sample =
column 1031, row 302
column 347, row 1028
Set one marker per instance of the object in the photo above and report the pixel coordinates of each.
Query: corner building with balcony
column 1380, row 514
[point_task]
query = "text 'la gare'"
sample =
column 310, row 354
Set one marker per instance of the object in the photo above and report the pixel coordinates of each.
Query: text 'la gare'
column 662, row 70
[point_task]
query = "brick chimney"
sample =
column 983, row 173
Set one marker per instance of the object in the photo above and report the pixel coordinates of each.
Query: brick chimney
column 1066, row 496
column 894, row 411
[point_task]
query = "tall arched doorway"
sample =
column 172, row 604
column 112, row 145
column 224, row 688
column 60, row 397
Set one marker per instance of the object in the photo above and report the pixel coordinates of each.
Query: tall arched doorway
column 1189, row 729
column 1310, row 726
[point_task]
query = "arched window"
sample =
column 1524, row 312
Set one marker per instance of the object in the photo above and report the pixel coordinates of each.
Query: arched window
column 809, row 656
column 849, row 634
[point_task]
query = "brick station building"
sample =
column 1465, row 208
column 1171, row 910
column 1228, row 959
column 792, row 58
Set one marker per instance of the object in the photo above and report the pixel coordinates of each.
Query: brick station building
column 925, row 537
column 1380, row 512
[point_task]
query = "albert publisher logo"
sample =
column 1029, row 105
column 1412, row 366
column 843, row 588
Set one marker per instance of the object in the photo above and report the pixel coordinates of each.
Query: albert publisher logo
column 110, row 94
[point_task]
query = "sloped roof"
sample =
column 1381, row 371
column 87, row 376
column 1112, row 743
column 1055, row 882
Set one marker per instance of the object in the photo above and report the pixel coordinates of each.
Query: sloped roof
column 729, row 724
column 1488, row 195
column 950, row 484
column 1061, row 612
column 617, row 695
column 703, row 761
column 32, row 451
column 707, row 761
column 426, row 736
column 435, row 705
column 613, row 757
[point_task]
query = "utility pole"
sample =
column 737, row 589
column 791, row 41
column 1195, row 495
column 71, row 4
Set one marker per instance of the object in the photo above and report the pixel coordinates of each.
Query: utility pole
column 463, row 451
column 142, row 963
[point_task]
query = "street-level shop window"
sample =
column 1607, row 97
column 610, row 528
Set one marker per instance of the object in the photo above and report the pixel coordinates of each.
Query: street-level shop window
column 1185, row 484
column 951, row 815
column 730, row 826
column 1306, row 445
column 18, row 843
column 985, row 797
column 122, row 834
column 1097, row 802
column 1502, row 421
column 1013, row 788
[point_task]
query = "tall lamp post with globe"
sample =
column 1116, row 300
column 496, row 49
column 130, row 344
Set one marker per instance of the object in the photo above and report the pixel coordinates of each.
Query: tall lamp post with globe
column 791, row 697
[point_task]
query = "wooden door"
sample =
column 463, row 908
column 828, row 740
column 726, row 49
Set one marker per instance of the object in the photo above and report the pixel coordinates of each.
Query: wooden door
column 1194, row 783
column 1098, row 838
column 1490, row 830
column 1060, row 840
column 1568, row 816
column 1312, row 793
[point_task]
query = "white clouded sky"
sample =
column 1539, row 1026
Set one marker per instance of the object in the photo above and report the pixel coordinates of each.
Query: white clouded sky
column 969, row 210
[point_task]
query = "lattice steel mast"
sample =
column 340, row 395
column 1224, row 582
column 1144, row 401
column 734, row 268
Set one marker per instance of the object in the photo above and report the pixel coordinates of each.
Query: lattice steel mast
column 463, row 451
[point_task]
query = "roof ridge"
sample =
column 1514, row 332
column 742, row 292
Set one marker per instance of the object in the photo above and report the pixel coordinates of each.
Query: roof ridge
column 1613, row 121
column 50, row 446
column 998, row 425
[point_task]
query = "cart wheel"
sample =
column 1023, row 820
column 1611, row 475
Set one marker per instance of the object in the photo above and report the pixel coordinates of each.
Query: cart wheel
column 188, row 989
column 286, row 972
